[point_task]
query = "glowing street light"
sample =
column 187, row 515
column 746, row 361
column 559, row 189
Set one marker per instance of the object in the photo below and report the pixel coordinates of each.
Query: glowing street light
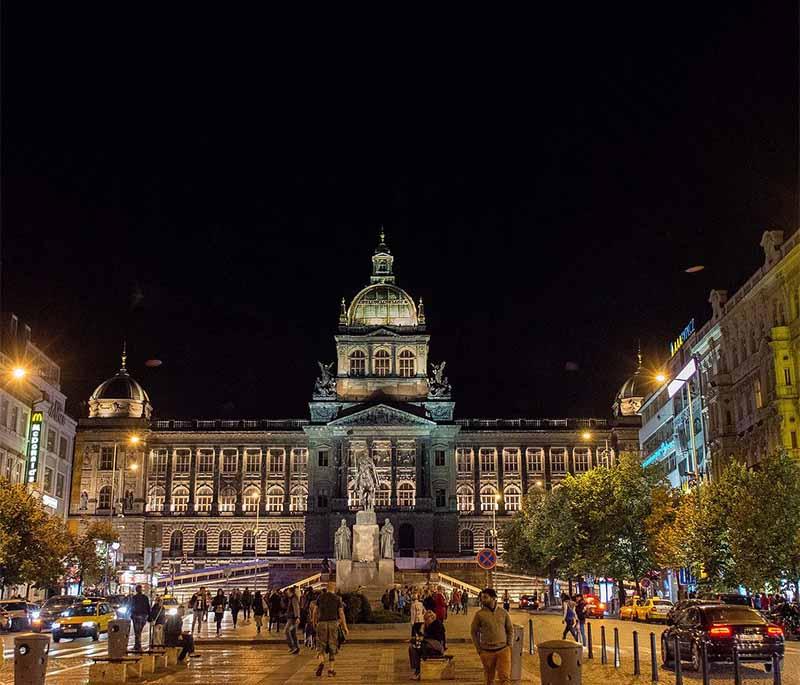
column 19, row 372
column 134, row 439
column 660, row 377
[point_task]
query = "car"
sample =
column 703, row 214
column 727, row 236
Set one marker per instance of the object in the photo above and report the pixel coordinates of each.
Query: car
column 19, row 613
column 50, row 611
column 729, row 598
column 594, row 607
column 652, row 609
column 719, row 628
column 787, row 616
column 5, row 620
column 683, row 604
column 626, row 611
column 527, row 603
column 87, row 618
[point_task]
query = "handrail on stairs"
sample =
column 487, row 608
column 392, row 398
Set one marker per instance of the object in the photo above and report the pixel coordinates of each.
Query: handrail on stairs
column 311, row 580
column 460, row 584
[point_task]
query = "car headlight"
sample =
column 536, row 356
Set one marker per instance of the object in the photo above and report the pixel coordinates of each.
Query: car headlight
column 36, row 614
column 122, row 610
column 56, row 625
column 87, row 624
column 173, row 611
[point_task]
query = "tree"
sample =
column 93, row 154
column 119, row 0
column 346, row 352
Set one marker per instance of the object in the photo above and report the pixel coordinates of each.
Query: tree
column 88, row 557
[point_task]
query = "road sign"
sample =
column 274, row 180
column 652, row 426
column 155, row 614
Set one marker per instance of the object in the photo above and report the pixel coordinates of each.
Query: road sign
column 487, row 559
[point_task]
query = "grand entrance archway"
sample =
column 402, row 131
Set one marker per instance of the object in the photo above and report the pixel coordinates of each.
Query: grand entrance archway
column 405, row 540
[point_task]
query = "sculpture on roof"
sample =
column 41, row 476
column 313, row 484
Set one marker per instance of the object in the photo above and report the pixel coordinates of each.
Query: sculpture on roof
column 325, row 385
column 438, row 385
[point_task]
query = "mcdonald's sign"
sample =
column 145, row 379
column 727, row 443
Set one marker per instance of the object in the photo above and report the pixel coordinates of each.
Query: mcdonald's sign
column 34, row 445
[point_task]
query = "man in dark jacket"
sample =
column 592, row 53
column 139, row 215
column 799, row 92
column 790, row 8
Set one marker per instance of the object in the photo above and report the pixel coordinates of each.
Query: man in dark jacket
column 175, row 637
column 247, row 602
column 292, row 621
column 140, row 613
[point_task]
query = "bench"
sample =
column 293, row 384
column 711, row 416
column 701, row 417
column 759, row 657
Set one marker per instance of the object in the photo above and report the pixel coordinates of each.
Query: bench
column 438, row 668
column 154, row 659
column 106, row 669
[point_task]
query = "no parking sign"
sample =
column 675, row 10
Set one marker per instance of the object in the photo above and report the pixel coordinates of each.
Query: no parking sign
column 487, row 559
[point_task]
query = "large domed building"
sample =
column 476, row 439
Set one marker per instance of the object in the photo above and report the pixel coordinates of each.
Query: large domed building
column 120, row 396
column 631, row 396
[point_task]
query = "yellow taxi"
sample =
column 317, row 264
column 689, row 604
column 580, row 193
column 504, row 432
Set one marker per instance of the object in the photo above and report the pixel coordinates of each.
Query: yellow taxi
column 88, row 618
column 652, row 609
column 628, row 610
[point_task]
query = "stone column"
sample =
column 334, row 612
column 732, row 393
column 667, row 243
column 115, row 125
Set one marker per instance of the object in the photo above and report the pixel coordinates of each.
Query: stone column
column 215, row 500
column 393, row 496
column 548, row 479
column 287, row 483
column 476, row 470
column 501, row 467
column 167, row 482
column 524, row 468
column 239, row 482
column 262, row 502
column 192, row 478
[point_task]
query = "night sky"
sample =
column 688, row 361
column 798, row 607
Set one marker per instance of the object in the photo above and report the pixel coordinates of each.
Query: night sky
column 210, row 186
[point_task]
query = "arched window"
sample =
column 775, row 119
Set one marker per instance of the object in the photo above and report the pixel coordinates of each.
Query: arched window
column 252, row 496
column 224, row 541
column 512, row 498
column 489, row 539
column 297, row 542
column 488, row 498
column 176, row 542
column 383, row 363
column 406, row 495
column 227, row 499
column 249, row 541
column 408, row 364
column 383, row 495
column 180, row 499
column 104, row 497
column 466, row 498
column 200, row 541
column 155, row 499
column 275, row 498
column 358, row 363
column 298, row 500
column 203, row 498
column 273, row 541
column 466, row 540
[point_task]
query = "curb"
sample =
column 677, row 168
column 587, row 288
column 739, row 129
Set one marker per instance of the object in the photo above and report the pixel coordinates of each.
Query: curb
column 350, row 641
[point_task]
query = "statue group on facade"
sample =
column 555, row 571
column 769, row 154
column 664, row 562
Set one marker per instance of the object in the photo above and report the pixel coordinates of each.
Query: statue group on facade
column 325, row 385
column 438, row 385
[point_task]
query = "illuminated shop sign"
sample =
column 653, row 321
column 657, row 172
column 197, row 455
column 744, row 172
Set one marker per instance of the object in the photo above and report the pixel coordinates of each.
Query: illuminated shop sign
column 680, row 380
column 34, row 443
column 676, row 344
column 51, row 502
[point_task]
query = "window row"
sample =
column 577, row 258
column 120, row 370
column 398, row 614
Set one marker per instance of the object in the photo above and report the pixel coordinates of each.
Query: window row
column 534, row 458
column 490, row 498
column 228, row 498
column 272, row 541
column 406, row 495
column 466, row 540
column 382, row 363
column 207, row 460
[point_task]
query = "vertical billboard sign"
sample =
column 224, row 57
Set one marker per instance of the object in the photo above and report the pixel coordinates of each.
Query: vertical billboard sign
column 34, row 443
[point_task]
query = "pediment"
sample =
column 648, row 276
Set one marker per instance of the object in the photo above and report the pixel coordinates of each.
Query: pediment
column 381, row 415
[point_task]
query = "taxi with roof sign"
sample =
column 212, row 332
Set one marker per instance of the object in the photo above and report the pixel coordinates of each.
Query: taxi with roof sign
column 88, row 618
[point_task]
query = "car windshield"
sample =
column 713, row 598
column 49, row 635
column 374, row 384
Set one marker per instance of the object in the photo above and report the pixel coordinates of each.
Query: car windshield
column 663, row 602
column 733, row 614
column 13, row 606
column 57, row 603
column 81, row 610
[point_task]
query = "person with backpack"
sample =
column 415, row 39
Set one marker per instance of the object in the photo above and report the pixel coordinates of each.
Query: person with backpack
column 258, row 610
column 570, row 618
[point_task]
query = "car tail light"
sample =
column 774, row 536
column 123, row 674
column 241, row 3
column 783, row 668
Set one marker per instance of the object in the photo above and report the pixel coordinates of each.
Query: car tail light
column 774, row 631
column 717, row 630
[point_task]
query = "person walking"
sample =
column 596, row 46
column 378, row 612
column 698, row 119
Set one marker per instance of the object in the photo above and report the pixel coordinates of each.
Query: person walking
column 292, row 621
column 274, row 610
column 327, row 617
column 199, row 606
column 258, row 611
column 157, row 617
column 492, row 634
column 581, row 614
column 218, row 604
column 506, row 601
column 440, row 605
column 235, row 603
column 140, row 613
column 247, row 603
column 465, row 601
column 570, row 618
column 417, row 616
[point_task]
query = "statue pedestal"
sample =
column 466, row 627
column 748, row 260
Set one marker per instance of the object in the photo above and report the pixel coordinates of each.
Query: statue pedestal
column 366, row 537
column 366, row 569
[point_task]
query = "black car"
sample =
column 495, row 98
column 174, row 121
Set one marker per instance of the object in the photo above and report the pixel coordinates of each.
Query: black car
column 720, row 628
column 50, row 611
column 684, row 604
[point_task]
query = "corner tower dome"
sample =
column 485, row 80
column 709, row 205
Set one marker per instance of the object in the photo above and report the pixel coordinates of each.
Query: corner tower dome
column 630, row 397
column 120, row 397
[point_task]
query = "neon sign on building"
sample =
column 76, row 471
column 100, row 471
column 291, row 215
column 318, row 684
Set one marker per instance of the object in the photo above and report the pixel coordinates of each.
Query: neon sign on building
column 676, row 344
column 34, row 445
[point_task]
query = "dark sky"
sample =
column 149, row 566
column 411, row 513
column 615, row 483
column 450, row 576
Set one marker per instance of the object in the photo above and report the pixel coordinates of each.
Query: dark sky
column 210, row 185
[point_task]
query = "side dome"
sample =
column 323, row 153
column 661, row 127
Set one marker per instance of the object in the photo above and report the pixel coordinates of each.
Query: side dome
column 631, row 396
column 382, row 304
column 120, row 397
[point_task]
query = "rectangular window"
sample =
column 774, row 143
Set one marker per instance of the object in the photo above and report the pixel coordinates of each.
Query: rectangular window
column 252, row 460
column 275, row 499
column 299, row 460
column 558, row 459
column 23, row 429
column 511, row 460
column 9, row 466
column 18, row 472
column 535, row 458
column 322, row 458
column 757, row 391
column 62, row 448
column 322, row 498
column 183, row 460
column 787, row 376
column 463, row 460
column 439, row 458
column 489, row 500
column 107, row 458
column 4, row 412
column 14, row 421
column 202, row 500
column 466, row 502
column 180, row 500
column 48, row 480
column 488, row 458
column 512, row 500
column 582, row 457
column 382, row 363
column 51, row 434
column 230, row 461
column 441, row 499
column 205, row 461
column 158, row 461
column 297, row 501
column 275, row 461
column 60, row 485
column 794, row 439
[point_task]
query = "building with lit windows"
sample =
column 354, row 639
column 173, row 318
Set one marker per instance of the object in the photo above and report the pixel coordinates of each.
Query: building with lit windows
column 211, row 490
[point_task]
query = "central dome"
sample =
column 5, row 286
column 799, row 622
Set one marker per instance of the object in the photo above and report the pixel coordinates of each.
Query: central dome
column 382, row 304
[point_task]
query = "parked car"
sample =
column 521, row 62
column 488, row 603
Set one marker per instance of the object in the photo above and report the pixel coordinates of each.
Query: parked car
column 719, row 627
column 87, row 618
column 50, row 611
column 5, row 620
column 527, row 603
column 20, row 613
column 594, row 607
column 684, row 604
column 652, row 609
column 626, row 611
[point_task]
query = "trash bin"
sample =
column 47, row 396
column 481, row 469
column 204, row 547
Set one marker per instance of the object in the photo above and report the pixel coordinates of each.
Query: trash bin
column 119, row 631
column 516, row 654
column 560, row 662
column 30, row 659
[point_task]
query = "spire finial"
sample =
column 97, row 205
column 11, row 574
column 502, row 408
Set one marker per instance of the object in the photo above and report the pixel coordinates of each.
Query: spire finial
column 124, row 355
column 383, row 235
column 639, row 352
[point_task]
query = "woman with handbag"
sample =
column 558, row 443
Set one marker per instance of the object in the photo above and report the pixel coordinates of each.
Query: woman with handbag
column 432, row 643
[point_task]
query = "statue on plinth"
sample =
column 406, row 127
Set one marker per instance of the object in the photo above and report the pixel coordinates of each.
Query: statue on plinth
column 342, row 541
column 387, row 540
column 366, row 480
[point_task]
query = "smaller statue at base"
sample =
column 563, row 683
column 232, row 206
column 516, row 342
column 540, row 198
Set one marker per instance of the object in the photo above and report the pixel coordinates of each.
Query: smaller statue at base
column 387, row 540
column 342, row 541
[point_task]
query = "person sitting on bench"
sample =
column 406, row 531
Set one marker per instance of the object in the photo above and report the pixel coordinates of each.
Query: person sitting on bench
column 432, row 643
column 174, row 636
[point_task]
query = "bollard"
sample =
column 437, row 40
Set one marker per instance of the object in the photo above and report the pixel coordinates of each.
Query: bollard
column 516, row 654
column 737, row 673
column 603, row 655
column 678, row 669
column 30, row 659
column 653, row 659
column 776, row 669
column 530, row 636
column 636, row 668
column 706, row 670
column 589, row 639
column 560, row 662
column 616, row 648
